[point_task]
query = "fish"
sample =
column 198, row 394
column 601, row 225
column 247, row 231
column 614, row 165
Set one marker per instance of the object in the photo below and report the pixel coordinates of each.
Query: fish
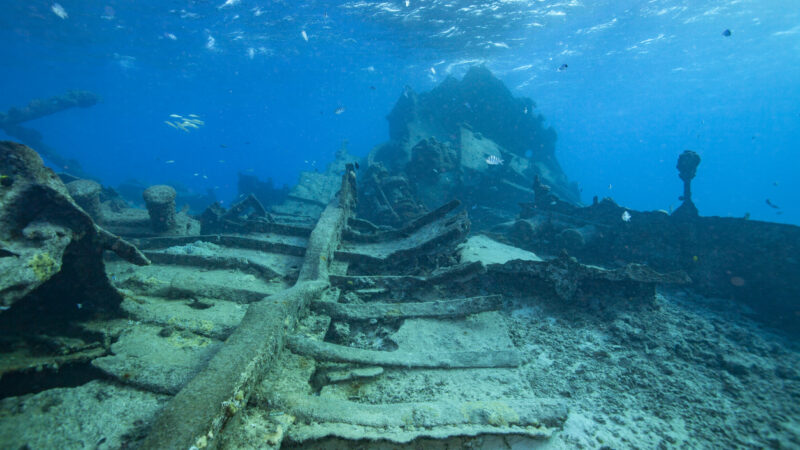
column 494, row 160
column 433, row 71
column 305, row 35
column 408, row 3
column 228, row 3
column 176, row 116
column 339, row 110
column 772, row 205
column 169, row 161
column 171, row 36
column 626, row 216
column 171, row 124
column 59, row 11
column 727, row 33
column 562, row 67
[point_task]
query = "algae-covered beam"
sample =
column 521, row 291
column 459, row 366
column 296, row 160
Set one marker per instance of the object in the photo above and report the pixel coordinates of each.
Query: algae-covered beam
column 568, row 277
column 269, row 244
column 440, row 360
column 197, row 414
column 435, row 237
column 327, row 235
column 10, row 123
column 402, row 422
column 441, row 309
column 215, row 262
column 409, row 283
column 351, row 234
column 39, row 108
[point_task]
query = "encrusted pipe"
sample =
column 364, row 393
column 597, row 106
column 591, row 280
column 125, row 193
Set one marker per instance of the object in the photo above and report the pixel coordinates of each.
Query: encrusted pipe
column 86, row 194
column 160, row 201
column 687, row 169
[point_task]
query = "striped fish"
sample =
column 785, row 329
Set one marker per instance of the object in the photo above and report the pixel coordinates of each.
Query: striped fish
column 494, row 160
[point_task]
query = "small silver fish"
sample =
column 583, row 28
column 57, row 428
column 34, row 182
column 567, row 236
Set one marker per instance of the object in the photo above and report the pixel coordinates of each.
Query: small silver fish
column 228, row 4
column 626, row 216
column 304, row 34
column 59, row 11
column 339, row 110
column 494, row 160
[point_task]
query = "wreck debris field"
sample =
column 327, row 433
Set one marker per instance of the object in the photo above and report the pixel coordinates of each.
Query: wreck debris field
column 399, row 225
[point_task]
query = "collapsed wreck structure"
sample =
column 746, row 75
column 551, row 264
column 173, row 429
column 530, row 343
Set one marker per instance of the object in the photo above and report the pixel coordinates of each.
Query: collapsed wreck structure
column 362, row 308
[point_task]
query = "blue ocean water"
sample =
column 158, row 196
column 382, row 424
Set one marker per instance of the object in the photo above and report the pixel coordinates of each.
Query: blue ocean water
column 641, row 81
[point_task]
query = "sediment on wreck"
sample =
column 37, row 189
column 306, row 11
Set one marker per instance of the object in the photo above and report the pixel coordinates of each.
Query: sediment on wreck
column 200, row 410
